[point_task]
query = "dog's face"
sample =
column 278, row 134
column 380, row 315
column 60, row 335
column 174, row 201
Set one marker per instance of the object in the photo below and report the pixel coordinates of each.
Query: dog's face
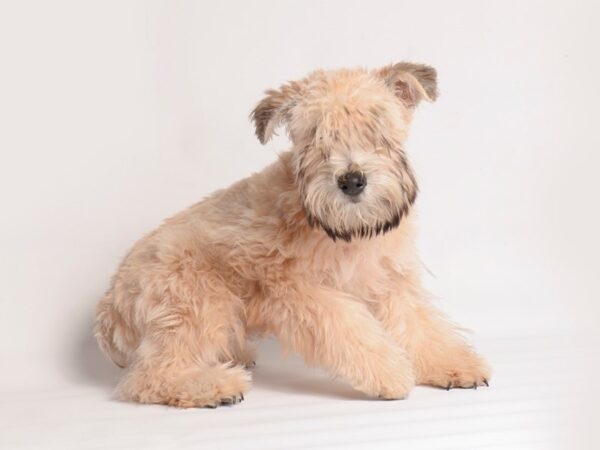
column 347, row 128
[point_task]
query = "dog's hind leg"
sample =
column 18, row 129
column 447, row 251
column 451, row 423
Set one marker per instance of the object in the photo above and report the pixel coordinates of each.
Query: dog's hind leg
column 186, row 356
column 246, row 356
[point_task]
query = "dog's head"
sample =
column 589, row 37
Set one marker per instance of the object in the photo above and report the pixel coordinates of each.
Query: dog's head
column 347, row 128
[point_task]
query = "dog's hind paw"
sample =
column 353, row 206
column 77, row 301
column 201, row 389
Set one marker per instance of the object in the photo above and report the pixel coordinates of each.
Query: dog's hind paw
column 226, row 401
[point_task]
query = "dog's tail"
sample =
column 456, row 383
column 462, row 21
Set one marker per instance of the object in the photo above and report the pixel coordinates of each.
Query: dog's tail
column 107, row 332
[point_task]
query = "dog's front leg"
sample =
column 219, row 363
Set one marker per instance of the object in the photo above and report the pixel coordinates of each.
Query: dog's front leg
column 439, row 354
column 332, row 329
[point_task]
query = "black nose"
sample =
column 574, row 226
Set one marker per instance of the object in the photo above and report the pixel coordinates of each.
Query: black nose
column 352, row 183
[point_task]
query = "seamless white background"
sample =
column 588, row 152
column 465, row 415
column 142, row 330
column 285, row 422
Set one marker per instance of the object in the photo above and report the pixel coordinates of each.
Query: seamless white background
column 117, row 114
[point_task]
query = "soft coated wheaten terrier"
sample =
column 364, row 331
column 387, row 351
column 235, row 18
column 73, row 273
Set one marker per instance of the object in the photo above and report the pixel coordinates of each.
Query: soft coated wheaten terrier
column 318, row 250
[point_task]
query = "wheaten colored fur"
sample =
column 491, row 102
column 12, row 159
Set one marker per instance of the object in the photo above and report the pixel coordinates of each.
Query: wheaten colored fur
column 285, row 252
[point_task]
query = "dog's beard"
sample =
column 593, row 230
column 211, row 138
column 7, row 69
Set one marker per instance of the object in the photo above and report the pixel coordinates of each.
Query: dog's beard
column 364, row 231
column 378, row 210
column 359, row 220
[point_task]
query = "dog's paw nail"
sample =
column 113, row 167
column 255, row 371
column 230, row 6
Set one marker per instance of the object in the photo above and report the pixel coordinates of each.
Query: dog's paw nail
column 485, row 381
column 449, row 386
column 211, row 406
column 229, row 400
column 475, row 386
column 233, row 400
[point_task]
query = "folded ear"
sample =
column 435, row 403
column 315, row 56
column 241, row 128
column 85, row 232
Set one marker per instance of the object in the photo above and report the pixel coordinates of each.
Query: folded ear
column 411, row 82
column 273, row 110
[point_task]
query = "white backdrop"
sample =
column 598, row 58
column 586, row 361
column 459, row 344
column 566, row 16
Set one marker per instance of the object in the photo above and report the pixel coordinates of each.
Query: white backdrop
column 117, row 114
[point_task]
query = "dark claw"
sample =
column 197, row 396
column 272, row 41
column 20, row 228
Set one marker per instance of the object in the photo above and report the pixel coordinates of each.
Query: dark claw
column 211, row 406
column 241, row 397
column 449, row 386
column 475, row 386
column 485, row 381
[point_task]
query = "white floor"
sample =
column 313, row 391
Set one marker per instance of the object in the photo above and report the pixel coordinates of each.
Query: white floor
column 535, row 401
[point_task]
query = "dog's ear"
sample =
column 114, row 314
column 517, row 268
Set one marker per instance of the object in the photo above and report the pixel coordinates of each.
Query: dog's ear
column 274, row 110
column 411, row 82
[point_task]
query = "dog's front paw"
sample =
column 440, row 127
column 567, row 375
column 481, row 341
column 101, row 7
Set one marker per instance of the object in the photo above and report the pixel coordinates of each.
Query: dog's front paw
column 398, row 391
column 467, row 370
column 394, row 382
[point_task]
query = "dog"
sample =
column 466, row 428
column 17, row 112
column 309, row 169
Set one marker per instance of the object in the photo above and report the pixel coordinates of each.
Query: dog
column 318, row 250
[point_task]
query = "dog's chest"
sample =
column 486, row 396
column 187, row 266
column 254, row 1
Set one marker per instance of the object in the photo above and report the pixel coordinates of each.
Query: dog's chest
column 362, row 266
column 345, row 266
